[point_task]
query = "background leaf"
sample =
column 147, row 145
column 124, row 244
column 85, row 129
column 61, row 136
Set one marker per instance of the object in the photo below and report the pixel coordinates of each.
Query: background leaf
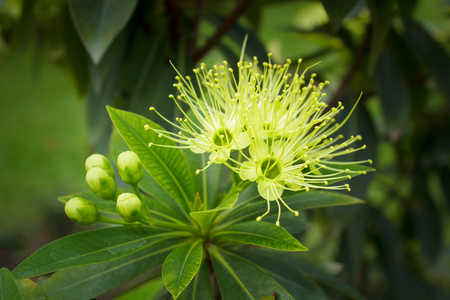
column 337, row 10
column 99, row 22
column 381, row 11
column 30, row 290
column 431, row 53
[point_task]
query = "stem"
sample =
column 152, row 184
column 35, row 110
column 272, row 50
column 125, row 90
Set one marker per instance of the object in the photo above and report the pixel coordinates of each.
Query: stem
column 137, row 191
column 359, row 56
column 174, row 226
column 116, row 221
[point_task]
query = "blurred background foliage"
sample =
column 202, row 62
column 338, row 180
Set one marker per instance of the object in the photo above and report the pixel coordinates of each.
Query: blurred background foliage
column 62, row 61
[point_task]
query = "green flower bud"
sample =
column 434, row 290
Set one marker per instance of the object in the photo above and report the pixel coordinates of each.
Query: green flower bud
column 130, row 207
column 101, row 183
column 129, row 166
column 98, row 160
column 82, row 211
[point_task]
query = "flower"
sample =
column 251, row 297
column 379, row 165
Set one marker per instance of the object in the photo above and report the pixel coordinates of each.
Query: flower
column 217, row 116
column 276, row 120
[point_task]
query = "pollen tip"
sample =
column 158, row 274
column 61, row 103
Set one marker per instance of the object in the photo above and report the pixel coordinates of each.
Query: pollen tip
column 258, row 219
column 277, row 223
column 370, row 161
column 146, row 127
column 296, row 213
column 197, row 171
column 152, row 108
column 160, row 135
column 150, row 144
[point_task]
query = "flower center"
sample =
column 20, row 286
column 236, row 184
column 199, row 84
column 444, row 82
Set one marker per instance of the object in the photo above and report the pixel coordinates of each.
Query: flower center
column 222, row 137
column 271, row 168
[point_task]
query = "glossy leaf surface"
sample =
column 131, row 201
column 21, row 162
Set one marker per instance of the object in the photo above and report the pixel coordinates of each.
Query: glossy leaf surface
column 181, row 266
column 90, row 247
column 240, row 279
column 262, row 234
column 87, row 282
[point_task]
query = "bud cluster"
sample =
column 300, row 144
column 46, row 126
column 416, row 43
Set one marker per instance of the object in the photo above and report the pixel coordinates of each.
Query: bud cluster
column 100, row 178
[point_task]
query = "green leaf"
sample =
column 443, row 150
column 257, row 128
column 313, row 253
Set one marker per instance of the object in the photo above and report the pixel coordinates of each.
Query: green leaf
column 381, row 11
column 88, row 282
column 8, row 286
column 262, row 234
column 200, row 287
column 90, row 247
column 393, row 90
column 337, row 10
column 250, row 208
column 30, row 290
column 286, row 273
column 162, row 205
column 406, row 6
column 207, row 181
column 203, row 216
column 98, row 22
column 240, row 279
column 146, row 291
column 103, row 88
column 181, row 266
column 432, row 54
column 291, row 263
column 166, row 165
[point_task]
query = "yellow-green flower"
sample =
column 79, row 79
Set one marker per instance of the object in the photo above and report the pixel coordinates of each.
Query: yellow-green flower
column 216, row 118
column 275, row 119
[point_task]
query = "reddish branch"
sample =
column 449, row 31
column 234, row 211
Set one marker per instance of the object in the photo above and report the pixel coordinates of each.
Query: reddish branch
column 226, row 25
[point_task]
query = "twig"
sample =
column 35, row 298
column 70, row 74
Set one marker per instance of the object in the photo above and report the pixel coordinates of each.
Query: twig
column 195, row 26
column 362, row 51
column 226, row 25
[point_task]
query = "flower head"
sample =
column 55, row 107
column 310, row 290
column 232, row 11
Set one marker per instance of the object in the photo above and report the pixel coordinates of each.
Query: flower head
column 276, row 120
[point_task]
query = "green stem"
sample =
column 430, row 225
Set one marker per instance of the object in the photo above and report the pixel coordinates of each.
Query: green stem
column 137, row 191
column 170, row 225
column 115, row 221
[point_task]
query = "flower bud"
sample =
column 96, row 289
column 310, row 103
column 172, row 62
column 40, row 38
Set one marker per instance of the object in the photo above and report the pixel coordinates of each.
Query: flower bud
column 101, row 183
column 130, row 207
column 129, row 166
column 82, row 211
column 98, row 160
